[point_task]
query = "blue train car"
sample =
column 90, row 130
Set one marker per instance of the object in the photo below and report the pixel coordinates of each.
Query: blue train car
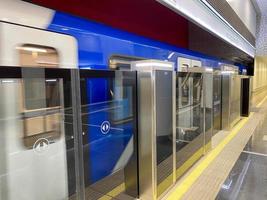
column 108, row 97
column 97, row 43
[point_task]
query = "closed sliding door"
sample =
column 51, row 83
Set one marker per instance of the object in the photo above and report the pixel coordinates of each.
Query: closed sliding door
column 108, row 112
column 190, row 120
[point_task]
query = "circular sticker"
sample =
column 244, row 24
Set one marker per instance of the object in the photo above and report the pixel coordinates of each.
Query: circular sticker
column 105, row 127
column 41, row 145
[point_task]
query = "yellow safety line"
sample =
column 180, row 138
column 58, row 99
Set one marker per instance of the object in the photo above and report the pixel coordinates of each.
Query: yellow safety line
column 189, row 162
column 183, row 187
column 116, row 191
column 165, row 184
column 182, row 169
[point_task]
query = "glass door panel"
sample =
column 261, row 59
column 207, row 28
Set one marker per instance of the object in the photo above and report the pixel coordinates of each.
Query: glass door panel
column 189, row 116
column 209, row 107
column 108, row 101
column 217, row 104
column 164, row 129
column 36, row 134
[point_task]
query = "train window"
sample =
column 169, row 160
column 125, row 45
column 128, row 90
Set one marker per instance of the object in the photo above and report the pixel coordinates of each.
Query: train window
column 31, row 55
column 121, row 89
column 42, row 109
column 122, row 95
column 122, row 62
column 41, row 93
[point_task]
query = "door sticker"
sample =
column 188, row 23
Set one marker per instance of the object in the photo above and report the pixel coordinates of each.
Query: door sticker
column 41, row 146
column 105, row 127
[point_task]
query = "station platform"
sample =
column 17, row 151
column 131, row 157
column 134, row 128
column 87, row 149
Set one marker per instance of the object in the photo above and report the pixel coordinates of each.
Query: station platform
column 235, row 168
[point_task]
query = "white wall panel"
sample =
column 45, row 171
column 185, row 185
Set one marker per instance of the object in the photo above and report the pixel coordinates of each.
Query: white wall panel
column 260, row 73
column 246, row 12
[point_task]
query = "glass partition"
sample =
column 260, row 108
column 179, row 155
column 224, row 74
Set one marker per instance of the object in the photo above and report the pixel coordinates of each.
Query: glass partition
column 108, row 101
column 217, row 102
column 36, row 134
column 164, row 129
column 189, row 120
column 209, row 91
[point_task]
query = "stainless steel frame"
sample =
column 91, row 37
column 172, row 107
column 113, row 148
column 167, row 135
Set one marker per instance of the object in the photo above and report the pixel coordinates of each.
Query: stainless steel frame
column 231, row 87
column 151, row 123
column 208, row 108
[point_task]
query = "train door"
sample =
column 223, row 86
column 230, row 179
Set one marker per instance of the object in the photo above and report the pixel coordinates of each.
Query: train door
column 36, row 131
column 37, row 155
column 109, row 128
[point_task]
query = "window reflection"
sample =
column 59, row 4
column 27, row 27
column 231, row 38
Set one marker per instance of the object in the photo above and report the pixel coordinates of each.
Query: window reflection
column 42, row 111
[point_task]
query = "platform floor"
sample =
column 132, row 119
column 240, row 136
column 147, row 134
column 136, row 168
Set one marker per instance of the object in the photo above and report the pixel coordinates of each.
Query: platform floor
column 236, row 168
column 248, row 178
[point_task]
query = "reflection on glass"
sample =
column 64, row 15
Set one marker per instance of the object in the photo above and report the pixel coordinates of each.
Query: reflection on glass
column 209, row 102
column 247, row 179
column 189, row 116
column 185, row 97
column 216, row 103
column 41, row 113
column 36, row 149
column 109, row 128
column 164, row 130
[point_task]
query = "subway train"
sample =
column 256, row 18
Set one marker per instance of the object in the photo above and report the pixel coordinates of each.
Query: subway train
column 59, row 70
